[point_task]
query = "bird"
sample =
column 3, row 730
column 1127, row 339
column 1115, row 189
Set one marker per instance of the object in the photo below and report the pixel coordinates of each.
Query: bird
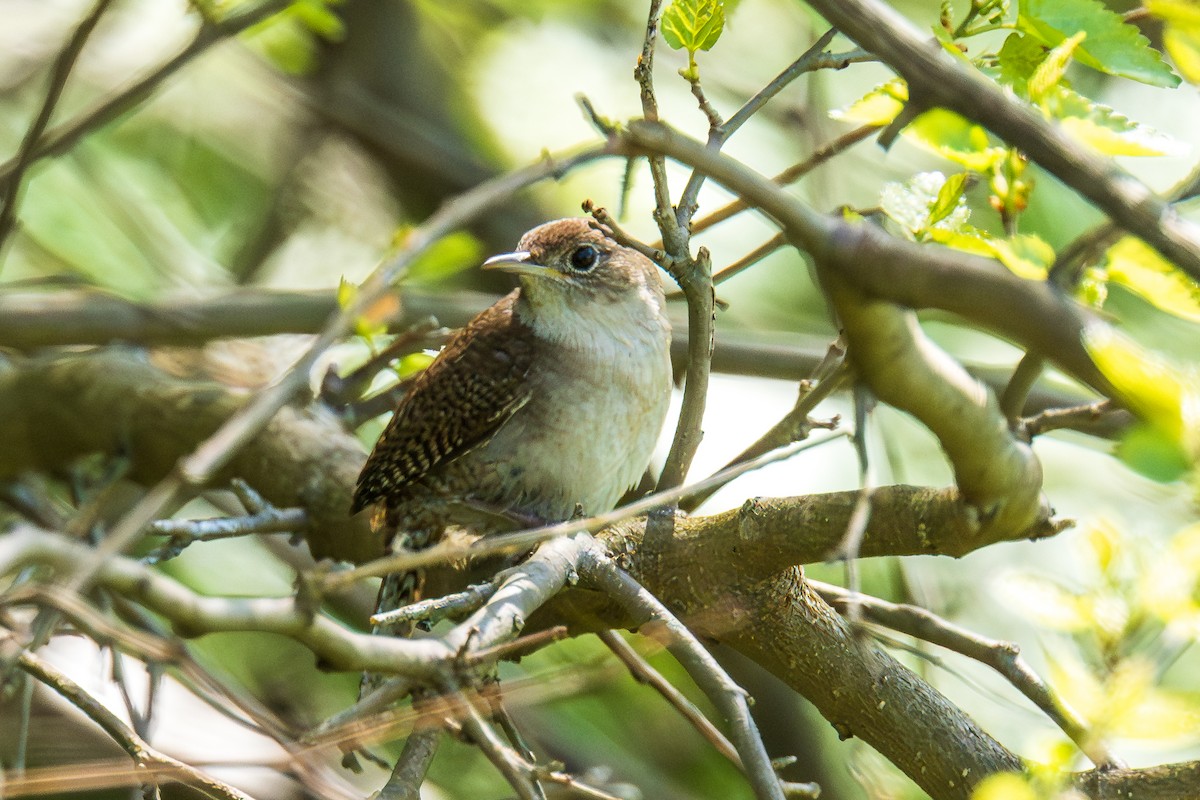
column 545, row 405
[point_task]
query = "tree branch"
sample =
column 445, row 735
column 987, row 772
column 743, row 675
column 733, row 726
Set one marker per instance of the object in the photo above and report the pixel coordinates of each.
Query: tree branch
column 59, row 72
column 150, row 764
column 63, row 137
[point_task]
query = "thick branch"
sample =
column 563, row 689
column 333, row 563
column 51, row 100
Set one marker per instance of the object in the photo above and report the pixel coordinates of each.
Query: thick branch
column 31, row 321
column 54, row 410
column 996, row 473
column 982, row 291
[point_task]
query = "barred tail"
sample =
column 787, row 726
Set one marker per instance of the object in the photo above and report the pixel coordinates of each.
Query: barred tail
column 397, row 590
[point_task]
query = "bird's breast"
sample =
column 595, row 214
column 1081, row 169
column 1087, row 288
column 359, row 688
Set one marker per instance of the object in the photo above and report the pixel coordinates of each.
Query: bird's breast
column 590, row 427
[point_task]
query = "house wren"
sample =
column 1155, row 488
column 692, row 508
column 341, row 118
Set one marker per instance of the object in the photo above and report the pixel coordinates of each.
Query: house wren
column 553, row 398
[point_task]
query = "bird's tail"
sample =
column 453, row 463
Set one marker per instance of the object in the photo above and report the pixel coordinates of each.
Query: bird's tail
column 397, row 591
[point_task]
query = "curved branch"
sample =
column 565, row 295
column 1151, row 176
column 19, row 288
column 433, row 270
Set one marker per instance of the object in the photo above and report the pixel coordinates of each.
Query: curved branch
column 984, row 292
column 998, row 475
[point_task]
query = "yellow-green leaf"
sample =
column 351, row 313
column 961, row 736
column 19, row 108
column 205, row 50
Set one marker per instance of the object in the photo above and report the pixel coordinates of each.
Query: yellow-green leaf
column 879, row 106
column 1138, row 267
column 917, row 204
column 1103, row 129
column 1049, row 73
column 955, row 138
column 447, row 256
column 1165, row 396
column 1018, row 58
column 1181, row 34
column 1026, row 255
column 693, row 24
column 949, row 198
column 412, row 363
column 1152, row 452
column 1005, row 786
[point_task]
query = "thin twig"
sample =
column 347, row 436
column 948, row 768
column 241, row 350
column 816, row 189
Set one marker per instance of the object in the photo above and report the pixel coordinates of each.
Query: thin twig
column 860, row 516
column 183, row 532
column 697, row 285
column 643, row 672
column 1024, row 378
column 490, row 692
column 151, row 764
column 412, row 765
column 519, row 773
column 425, row 334
column 706, row 107
column 621, row 236
column 63, row 137
column 795, row 425
column 59, row 73
column 1071, row 261
column 601, row 572
column 756, row 255
column 20, row 758
column 811, row 60
column 1004, row 657
column 435, row 609
column 1075, row 417
column 791, row 174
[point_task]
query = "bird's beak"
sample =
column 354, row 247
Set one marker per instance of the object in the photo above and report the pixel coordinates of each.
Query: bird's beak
column 520, row 263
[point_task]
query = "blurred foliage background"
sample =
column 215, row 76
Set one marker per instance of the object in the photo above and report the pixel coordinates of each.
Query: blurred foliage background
column 291, row 157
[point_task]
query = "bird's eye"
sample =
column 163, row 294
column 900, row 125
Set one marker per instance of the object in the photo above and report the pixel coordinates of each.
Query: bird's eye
column 584, row 257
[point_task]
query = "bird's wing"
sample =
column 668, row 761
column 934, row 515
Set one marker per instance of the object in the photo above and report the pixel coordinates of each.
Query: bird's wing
column 455, row 405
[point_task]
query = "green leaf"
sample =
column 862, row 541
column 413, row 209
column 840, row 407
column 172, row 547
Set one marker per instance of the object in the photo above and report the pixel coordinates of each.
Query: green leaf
column 1105, row 130
column 1050, row 72
column 1138, row 267
column 1163, row 395
column 411, row 364
column 317, row 17
column 287, row 38
column 879, row 106
column 949, row 198
column 1181, row 34
column 1152, row 453
column 693, row 25
column 1025, row 255
column 1111, row 46
column 954, row 137
column 1037, row 75
column 448, row 256
column 1018, row 58
column 924, row 203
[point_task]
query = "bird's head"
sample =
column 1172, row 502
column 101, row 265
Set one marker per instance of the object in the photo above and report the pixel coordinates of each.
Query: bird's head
column 569, row 263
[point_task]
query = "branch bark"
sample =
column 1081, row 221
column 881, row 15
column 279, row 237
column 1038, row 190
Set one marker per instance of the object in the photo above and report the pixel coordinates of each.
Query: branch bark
column 54, row 410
